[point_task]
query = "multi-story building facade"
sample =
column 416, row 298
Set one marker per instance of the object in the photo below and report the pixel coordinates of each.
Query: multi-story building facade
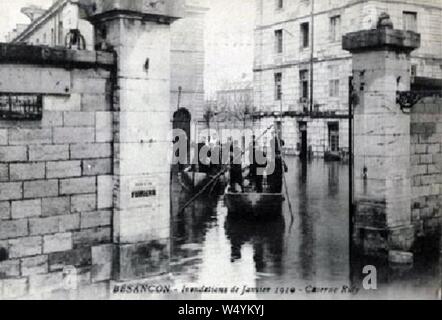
column 235, row 97
column 301, row 68
column 187, row 46
column 234, row 108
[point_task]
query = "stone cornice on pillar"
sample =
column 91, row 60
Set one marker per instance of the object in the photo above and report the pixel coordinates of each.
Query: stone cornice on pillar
column 381, row 38
column 396, row 40
column 164, row 11
column 12, row 53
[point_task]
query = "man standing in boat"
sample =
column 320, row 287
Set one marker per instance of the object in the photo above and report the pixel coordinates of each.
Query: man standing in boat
column 255, row 176
column 236, row 178
column 275, row 179
column 216, row 161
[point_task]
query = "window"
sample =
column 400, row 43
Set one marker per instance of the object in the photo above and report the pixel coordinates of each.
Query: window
column 45, row 38
column 334, row 88
column 60, row 33
column 305, row 35
column 52, row 37
column 333, row 136
column 279, row 4
column 410, row 21
column 303, row 84
column 278, row 86
column 335, row 28
column 278, row 41
column 333, row 83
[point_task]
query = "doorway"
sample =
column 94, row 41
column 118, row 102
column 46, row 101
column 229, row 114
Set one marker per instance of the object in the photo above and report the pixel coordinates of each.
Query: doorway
column 181, row 121
column 303, row 141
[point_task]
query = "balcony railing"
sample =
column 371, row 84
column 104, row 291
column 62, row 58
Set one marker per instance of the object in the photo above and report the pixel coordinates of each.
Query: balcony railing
column 15, row 106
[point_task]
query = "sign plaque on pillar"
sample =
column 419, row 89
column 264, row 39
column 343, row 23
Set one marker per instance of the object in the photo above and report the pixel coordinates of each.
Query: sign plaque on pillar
column 142, row 192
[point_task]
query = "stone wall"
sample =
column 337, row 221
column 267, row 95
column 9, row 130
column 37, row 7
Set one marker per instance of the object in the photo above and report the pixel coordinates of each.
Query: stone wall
column 56, row 173
column 426, row 166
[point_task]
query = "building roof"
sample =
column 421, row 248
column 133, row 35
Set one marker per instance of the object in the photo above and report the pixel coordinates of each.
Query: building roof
column 56, row 6
column 236, row 86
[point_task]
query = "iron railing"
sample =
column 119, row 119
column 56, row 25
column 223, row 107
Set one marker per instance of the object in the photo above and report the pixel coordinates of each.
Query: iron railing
column 24, row 106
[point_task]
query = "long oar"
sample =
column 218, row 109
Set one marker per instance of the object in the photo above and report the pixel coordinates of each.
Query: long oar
column 217, row 176
column 289, row 202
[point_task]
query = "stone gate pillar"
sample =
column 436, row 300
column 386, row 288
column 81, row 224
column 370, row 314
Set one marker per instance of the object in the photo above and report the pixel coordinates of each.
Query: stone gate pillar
column 381, row 67
column 138, row 31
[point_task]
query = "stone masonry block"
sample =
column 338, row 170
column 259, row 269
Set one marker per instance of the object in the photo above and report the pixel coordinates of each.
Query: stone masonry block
column 104, row 127
column 63, row 169
column 94, row 102
column 78, row 257
column 57, row 243
column 34, row 265
column 433, row 148
column 46, row 282
column 44, row 225
column 434, row 169
column 11, row 191
column 4, row 172
column 79, row 119
column 55, row 206
column 91, row 151
column 14, row 288
column 13, row 154
column 40, row 189
column 140, row 260
column 56, row 224
column 91, row 237
column 24, row 247
column 78, row 186
column 105, row 187
column 420, row 148
column 25, row 209
column 5, row 210
column 9, row 269
column 27, row 171
column 84, row 203
column 52, row 119
column 48, row 152
column 74, row 135
column 3, row 137
column 102, row 260
column 426, row 159
column 29, row 136
column 88, row 86
column 13, row 229
column 69, row 222
column 96, row 219
column 62, row 103
column 97, row 167
column 419, row 170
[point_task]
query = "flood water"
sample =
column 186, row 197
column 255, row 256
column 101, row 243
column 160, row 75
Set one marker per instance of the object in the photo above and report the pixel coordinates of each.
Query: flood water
column 292, row 257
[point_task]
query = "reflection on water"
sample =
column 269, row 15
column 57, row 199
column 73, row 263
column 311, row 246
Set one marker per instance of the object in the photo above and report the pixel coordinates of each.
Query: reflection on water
column 266, row 239
column 310, row 250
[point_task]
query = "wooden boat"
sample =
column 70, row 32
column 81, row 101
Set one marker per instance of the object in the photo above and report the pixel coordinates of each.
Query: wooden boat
column 194, row 181
column 332, row 156
column 254, row 205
